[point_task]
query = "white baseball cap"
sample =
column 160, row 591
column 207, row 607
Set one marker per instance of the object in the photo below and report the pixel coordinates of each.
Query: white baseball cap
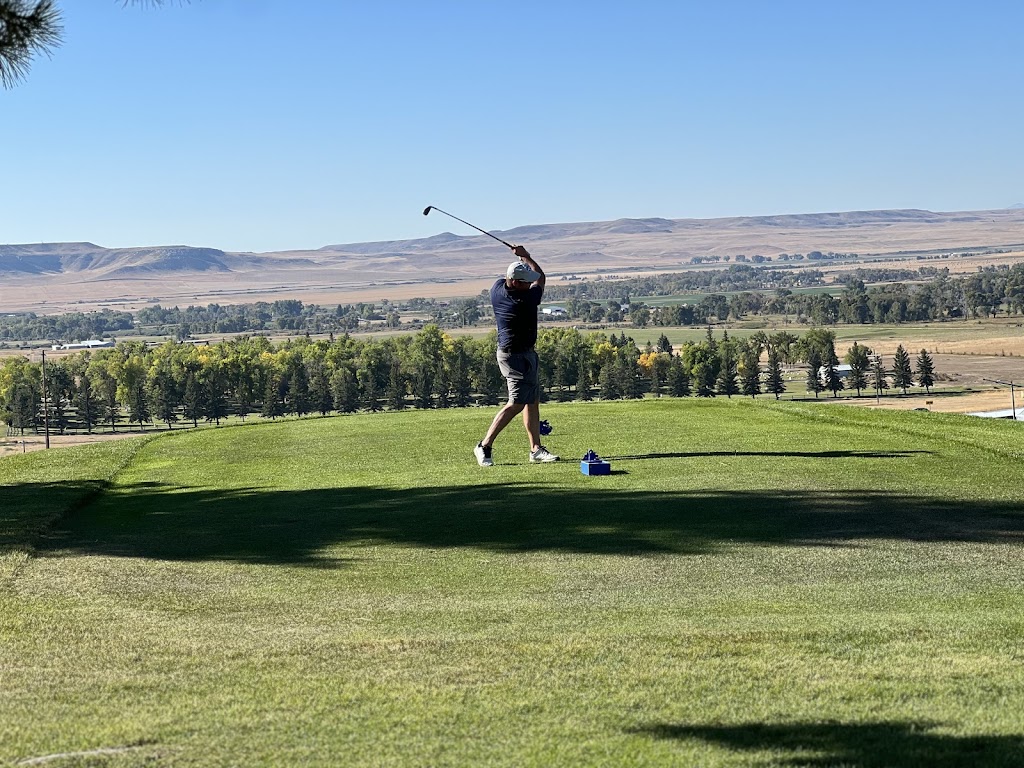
column 517, row 270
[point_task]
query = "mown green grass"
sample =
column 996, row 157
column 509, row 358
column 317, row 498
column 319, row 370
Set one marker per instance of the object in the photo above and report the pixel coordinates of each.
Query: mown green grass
column 757, row 584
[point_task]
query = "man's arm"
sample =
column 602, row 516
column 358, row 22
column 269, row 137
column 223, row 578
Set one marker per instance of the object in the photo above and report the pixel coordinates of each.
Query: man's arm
column 524, row 256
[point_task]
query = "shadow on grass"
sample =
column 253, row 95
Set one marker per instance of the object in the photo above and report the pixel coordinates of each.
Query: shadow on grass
column 860, row 745
column 28, row 508
column 294, row 526
column 778, row 454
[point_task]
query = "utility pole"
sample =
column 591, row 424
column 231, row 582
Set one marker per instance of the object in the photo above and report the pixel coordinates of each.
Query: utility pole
column 876, row 360
column 46, row 405
column 1013, row 403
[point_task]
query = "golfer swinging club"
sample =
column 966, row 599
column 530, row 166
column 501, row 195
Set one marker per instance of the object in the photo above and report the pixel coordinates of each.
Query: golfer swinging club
column 515, row 299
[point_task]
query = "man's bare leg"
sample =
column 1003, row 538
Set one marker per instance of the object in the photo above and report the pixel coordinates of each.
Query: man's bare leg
column 531, row 420
column 501, row 420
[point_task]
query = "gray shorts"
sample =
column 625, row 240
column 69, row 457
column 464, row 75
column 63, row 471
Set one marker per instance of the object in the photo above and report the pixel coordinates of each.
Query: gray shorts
column 521, row 373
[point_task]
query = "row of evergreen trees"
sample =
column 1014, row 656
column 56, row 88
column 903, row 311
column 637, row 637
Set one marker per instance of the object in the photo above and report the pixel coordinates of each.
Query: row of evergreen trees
column 181, row 382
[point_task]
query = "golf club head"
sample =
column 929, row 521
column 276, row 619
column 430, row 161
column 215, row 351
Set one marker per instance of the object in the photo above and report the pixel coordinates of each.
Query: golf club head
column 428, row 209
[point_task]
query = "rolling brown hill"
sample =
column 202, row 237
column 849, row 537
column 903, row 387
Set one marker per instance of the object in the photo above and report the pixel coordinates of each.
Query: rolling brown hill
column 58, row 277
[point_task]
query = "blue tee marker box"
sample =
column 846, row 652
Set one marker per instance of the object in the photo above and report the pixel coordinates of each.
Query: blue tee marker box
column 592, row 464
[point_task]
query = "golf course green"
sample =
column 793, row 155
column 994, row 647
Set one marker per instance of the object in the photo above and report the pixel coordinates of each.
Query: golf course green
column 755, row 584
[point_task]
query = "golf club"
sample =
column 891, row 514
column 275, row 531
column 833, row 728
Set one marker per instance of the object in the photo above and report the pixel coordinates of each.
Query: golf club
column 430, row 208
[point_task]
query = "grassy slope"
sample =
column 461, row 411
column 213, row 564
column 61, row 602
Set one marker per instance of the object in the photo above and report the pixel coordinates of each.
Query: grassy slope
column 757, row 584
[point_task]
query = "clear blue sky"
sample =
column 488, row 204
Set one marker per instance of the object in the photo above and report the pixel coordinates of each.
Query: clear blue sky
column 264, row 125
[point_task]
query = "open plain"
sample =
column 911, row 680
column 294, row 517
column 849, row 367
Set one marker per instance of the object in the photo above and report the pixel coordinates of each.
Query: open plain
column 63, row 277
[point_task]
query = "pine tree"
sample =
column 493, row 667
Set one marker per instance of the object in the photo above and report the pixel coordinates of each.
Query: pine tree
column 344, row 391
column 297, row 398
column 394, row 393
column 243, row 387
column 583, row 383
column 488, row 378
column 132, row 386
column 60, row 385
column 457, row 365
column 163, row 396
column 85, row 403
column 607, row 382
column 902, row 375
column 833, row 381
column 216, row 392
column 628, row 374
column 750, row 377
column 878, row 376
column 704, row 377
column 319, row 388
column 443, row 387
column 24, row 409
column 105, row 386
column 562, row 379
column 656, row 375
column 814, row 372
column 192, row 399
column 423, row 387
column 138, row 404
column 859, row 360
column 371, row 391
column 925, row 371
column 678, row 380
column 727, row 382
column 776, row 384
column 27, row 29
column 272, row 404
column 710, row 340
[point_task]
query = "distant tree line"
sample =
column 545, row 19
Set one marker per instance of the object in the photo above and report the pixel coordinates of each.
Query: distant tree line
column 72, row 325
column 135, row 385
column 936, row 295
column 983, row 294
column 284, row 315
column 739, row 277
column 939, row 297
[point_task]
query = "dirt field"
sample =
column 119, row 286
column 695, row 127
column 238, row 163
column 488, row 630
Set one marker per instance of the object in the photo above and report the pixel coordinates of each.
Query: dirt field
column 946, row 402
column 14, row 445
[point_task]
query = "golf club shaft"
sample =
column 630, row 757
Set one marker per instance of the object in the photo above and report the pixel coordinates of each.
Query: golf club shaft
column 430, row 208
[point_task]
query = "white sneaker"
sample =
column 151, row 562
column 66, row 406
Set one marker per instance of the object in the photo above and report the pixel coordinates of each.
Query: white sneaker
column 542, row 454
column 483, row 455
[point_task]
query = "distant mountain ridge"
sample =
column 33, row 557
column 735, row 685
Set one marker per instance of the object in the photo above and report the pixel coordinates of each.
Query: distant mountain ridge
column 565, row 246
column 56, row 258
column 669, row 226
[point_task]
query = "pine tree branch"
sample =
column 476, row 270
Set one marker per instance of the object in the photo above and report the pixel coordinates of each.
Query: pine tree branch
column 32, row 27
column 26, row 29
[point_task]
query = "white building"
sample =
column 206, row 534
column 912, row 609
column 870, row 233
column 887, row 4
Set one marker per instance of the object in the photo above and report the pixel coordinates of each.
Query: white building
column 842, row 371
column 93, row 344
column 1006, row 413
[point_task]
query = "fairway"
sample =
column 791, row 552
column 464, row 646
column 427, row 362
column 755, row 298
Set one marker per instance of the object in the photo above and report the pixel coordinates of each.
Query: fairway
column 756, row 584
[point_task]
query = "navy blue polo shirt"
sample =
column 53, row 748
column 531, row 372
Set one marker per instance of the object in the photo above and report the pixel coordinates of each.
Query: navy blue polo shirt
column 516, row 315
